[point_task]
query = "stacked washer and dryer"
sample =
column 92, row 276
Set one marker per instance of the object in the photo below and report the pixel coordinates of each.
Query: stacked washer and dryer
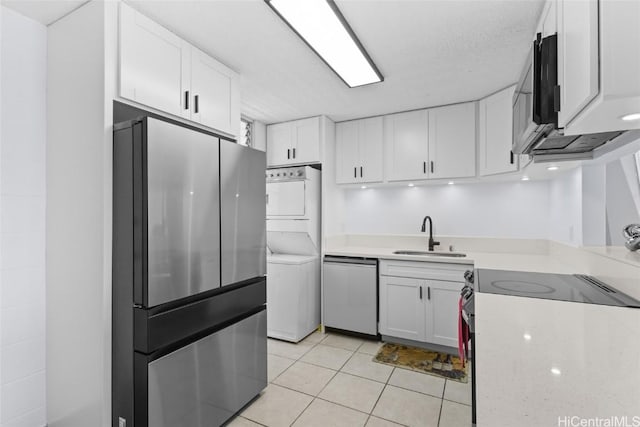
column 293, row 259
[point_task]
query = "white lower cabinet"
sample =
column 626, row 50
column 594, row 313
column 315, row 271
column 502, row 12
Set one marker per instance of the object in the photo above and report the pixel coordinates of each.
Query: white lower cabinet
column 402, row 311
column 419, row 301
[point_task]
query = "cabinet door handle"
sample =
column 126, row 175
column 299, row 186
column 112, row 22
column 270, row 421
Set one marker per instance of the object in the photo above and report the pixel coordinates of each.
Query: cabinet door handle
column 431, row 166
column 288, row 153
column 428, row 292
column 294, row 153
column 420, row 292
column 195, row 103
column 186, row 99
column 355, row 172
column 360, row 171
column 511, row 157
column 424, row 167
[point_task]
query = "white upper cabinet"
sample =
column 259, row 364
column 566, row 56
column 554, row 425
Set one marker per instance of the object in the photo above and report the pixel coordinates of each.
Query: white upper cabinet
column 495, row 133
column 599, row 65
column 306, row 140
column 160, row 70
column 452, row 141
column 296, row 142
column 215, row 93
column 359, row 151
column 578, row 56
column 151, row 63
column 406, row 140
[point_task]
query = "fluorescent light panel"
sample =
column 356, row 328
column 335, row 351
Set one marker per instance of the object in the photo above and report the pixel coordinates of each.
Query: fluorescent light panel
column 321, row 25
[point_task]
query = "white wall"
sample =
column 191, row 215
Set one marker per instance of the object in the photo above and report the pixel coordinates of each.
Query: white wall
column 81, row 85
column 22, row 225
column 565, row 208
column 514, row 209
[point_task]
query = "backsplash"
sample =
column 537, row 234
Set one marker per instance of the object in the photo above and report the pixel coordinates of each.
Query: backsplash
column 509, row 210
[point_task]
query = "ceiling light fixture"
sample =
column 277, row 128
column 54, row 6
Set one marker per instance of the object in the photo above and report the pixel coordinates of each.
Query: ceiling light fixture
column 631, row 117
column 322, row 27
column 552, row 168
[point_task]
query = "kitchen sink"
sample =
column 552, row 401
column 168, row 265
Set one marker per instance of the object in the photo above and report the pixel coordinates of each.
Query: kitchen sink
column 426, row 253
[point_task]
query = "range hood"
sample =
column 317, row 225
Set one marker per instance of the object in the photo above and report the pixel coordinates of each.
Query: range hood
column 557, row 147
column 536, row 104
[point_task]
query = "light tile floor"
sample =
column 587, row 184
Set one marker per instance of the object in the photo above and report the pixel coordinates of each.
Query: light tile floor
column 329, row 380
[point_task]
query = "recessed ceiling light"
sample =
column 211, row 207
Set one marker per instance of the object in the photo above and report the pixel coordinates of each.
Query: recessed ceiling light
column 410, row 184
column 525, row 178
column 631, row 117
column 363, row 187
column 552, row 168
column 320, row 25
column 450, row 182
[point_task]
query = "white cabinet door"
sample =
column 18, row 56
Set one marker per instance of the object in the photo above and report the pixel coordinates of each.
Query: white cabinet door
column 402, row 308
column 370, row 147
column 442, row 312
column 406, row 141
column 306, row 140
column 279, row 144
column 347, row 157
column 359, row 151
column 215, row 94
column 496, row 132
column 578, row 56
column 152, row 64
column 452, row 141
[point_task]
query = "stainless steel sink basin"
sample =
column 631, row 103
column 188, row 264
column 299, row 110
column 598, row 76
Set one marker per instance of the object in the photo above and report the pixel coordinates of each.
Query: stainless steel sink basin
column 426, row 253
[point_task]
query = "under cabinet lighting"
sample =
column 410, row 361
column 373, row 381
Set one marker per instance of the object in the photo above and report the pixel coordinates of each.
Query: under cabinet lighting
column 364, row 187
column 450, row 182
column 410, row 184
column 631, row 117
column 322, row 27
column 527, row 337
column 552, row 168
column 555, row 371
column 525, row 178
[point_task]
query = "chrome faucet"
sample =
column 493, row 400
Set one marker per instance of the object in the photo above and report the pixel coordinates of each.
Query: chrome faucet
column 432, row 243
column 631, row 234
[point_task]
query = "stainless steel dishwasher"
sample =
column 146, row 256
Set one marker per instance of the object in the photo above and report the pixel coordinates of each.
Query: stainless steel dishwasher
column 350, row 299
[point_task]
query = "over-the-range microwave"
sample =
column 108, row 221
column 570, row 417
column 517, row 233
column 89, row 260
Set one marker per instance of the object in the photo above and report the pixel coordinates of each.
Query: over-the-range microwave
column 536, row 103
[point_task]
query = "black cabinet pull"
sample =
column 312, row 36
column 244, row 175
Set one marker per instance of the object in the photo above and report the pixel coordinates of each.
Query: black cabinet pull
column 195, row 103
column 355, row 172
column 420, row 292
column 186, row 99
column 360, row 171
column 511, row 157
column 294, row 153
column 424, row 167
column 428, row 292
column 431, row 166
column 288, row 153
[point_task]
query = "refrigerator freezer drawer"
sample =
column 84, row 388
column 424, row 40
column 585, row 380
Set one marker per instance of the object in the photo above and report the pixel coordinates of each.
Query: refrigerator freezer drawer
column 205, row 383
column 156, row 330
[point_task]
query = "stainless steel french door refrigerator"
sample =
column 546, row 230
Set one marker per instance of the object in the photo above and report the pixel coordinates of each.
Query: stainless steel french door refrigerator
column 189, row 289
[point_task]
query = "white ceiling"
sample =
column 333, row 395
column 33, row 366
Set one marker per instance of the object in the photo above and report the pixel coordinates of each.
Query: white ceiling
column 43, row 11
column 430, row 52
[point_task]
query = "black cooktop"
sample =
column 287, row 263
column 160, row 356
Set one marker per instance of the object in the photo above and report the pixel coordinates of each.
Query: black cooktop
column 561, row 287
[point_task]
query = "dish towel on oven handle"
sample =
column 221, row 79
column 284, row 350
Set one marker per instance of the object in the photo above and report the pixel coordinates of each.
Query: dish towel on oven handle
column 463, row 334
